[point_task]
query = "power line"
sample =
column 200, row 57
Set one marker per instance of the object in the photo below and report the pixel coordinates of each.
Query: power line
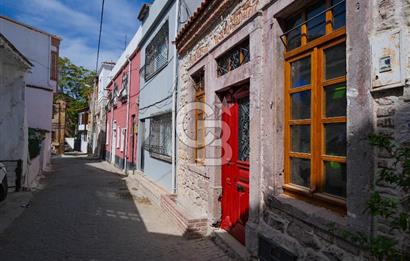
column 99, row 36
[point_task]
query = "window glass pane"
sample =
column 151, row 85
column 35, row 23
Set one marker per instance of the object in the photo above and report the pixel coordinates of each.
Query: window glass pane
column 301, row 138
column 300, row 169
column 301, row 72
column 233, row 58
column 335, row 100
column 335, row 139
column 339, row 14
column 161, row 135
column 335, row 59
column 317, row 26
column 156, row 53
column 301, row 105
column 335, row 182
column 293, row 37
column 243, row 146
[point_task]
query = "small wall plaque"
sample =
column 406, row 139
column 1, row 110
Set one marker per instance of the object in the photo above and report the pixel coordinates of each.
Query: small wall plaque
column 385, row 64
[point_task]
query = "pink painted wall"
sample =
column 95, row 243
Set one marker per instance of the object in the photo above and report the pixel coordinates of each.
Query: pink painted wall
column 120, row 111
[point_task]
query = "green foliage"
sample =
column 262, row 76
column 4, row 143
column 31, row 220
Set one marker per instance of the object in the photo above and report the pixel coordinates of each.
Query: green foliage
column 76, row 84
column 394, row 210
column 35, row 138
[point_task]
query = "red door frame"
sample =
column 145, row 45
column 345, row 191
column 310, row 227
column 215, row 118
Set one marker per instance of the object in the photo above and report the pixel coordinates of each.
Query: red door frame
column 235, row 173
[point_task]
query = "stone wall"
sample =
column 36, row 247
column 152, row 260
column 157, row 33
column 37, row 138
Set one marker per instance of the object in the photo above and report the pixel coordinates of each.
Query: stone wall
column 375, row 104
column 309, row 231
column 392, row 103
column 197, row 183
column 192, row 181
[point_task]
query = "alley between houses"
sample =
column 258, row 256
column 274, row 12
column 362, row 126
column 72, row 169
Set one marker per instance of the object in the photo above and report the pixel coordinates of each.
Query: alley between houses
column 85, row 212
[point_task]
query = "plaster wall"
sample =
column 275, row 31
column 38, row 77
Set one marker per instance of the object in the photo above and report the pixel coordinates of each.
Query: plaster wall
column 13, row 130
column 118, row 113
column 155, row 93
column 36, row 47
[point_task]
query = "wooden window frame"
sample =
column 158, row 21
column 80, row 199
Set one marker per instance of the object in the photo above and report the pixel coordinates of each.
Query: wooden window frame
column 199, row 98
column 200, row 114
column 54, row 66
column 315, row 49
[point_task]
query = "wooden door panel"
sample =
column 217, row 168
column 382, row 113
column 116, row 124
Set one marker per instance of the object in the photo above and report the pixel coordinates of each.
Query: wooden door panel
column 235, row 172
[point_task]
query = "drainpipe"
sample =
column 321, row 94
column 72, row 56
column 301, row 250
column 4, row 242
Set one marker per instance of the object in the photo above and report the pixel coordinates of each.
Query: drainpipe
column 174, row 104
column 128, row 116
column 112, row 124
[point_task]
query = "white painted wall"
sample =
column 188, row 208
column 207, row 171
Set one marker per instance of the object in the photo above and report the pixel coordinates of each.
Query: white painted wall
column 103, row 80
column 13, row 130
column 36, row 47
column 70, row 142
column 39, row 108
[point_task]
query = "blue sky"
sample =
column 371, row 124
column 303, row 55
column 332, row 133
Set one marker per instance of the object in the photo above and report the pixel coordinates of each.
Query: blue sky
column 77, row 22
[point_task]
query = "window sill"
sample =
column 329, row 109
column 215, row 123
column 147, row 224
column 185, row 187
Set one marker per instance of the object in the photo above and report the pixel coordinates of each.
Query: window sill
column 321, row 199
column 161, row 157
column 313, row 214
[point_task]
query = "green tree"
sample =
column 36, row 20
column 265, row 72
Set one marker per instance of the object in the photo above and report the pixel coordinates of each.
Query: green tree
column 75, row 86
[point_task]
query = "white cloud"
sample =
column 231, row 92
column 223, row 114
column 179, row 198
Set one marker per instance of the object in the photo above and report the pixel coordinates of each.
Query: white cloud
column 80, row 53
column 77, row 22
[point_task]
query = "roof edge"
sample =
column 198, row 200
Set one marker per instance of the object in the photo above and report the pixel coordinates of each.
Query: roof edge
column 29, row 27
column 24, row 59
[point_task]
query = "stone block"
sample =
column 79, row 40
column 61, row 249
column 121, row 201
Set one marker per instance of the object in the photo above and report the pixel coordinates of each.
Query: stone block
column 275, row 221
column 304, row 234
column 385, row 123
column 343, row 244
column 333, row 253
column 314, row 256
column 385, row 111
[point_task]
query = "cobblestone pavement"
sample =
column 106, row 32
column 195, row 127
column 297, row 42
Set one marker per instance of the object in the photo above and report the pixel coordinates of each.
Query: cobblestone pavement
column 87, row 213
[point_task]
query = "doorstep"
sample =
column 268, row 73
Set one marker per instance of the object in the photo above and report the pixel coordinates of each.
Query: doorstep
column 189, row 223
column 153, row 191
column 229, row 244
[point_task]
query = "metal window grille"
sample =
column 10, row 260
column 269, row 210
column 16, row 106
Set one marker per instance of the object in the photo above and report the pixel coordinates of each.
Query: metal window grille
column 124, row 90
column 234, row 58
column 292, row 37
column 160, row 139
column 156, row 53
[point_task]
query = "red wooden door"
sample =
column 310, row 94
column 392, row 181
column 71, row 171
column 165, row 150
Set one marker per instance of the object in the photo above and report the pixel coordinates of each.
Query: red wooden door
column 235, row 171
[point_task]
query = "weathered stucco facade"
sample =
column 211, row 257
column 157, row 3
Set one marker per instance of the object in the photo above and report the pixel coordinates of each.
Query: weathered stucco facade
column 377, row 102
column 13, row 130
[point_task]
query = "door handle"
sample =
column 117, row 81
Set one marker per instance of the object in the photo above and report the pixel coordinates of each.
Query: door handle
column 240, row 188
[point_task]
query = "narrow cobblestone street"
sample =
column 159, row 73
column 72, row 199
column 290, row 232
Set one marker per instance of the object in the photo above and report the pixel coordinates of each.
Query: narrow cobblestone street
column 87, row 213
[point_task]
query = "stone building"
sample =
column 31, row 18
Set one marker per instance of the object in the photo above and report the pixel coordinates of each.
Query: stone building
column 292, row 90
column 98, row 105
column 58, row 126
